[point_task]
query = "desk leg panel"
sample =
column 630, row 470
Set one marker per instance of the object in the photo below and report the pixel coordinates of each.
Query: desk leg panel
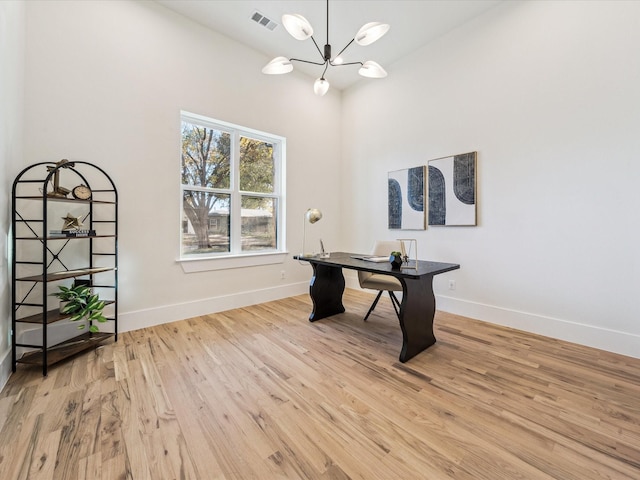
column 326, row 289
column 417, row 311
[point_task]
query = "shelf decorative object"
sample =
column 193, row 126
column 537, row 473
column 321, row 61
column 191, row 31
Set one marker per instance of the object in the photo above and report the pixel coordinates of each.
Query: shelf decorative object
column 72, row 233
column 81, row 192
column 82, row 304
column 57, row 191
column 84, row 249
column 71, row 223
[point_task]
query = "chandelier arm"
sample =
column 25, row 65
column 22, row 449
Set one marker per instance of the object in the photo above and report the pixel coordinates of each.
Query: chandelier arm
column 317, row 47
column 343, row 64
column 325, row 69
column 352, row 40
column 306, row 61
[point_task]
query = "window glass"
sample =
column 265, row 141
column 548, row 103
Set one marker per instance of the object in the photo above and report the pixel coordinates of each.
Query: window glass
column 206, row 157
column 205, row 224
column 258, row 223
column 256, row 165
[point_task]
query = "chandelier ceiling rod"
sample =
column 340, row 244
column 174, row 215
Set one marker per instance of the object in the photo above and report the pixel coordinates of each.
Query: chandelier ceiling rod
column 300, row 29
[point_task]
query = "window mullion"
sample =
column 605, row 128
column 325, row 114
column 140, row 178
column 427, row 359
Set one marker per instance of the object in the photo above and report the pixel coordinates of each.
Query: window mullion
column 279, row 192
column 236, row 216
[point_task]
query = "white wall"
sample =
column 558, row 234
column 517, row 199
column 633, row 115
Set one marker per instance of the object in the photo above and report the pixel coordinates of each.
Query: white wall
column 105, row 83
column 548, row 94
column 12, row 31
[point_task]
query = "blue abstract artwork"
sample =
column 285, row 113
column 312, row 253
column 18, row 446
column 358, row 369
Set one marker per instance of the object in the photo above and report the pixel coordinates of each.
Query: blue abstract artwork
column 406, row 199
column 452, row 190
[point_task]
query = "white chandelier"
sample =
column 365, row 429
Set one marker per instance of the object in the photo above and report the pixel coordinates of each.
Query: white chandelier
column 300, row 29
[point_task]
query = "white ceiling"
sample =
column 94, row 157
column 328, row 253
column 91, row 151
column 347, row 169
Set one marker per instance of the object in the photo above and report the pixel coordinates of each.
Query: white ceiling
column 414, row 23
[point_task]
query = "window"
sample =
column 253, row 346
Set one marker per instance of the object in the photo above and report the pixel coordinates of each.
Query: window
column 232, row 182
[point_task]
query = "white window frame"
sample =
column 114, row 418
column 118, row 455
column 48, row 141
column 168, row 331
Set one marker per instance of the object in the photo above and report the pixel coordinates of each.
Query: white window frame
column 236, row 258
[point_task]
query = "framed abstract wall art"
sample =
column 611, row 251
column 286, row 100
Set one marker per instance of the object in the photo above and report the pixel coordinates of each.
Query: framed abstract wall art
column 452, row 190
column 406, row 199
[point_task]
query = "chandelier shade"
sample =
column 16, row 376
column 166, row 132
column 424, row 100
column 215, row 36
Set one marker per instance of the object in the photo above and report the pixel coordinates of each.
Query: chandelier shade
column 371, row 69
column 320, row 87
column 297, row 26
column 277, row 66
column 300, row 29
column 371, row 32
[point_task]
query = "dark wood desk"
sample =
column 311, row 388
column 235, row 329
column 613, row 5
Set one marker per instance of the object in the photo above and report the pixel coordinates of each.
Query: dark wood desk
column 417, row 308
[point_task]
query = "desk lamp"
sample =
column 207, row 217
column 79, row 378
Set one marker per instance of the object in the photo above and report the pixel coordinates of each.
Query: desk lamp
column 312, row 215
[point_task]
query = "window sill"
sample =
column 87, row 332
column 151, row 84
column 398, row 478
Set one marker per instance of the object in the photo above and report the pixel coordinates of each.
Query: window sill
column 194, row 265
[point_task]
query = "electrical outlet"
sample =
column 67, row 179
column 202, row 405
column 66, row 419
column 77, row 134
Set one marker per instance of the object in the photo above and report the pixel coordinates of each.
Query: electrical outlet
column 282, row 275
column 452, row 284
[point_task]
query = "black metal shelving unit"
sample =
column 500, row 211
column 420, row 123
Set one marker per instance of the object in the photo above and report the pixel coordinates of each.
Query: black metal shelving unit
column 42, row 260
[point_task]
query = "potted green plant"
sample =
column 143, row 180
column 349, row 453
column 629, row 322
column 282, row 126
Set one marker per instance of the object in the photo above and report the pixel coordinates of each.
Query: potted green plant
column 82, row 304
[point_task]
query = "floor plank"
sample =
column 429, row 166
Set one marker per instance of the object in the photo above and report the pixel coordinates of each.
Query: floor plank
column 261, row 393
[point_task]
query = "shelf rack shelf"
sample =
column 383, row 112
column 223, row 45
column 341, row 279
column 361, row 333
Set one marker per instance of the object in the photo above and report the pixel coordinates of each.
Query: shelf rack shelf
column 65, row 349
column 55, row 276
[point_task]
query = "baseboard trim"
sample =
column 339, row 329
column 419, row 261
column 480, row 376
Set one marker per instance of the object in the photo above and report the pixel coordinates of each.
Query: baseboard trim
column 614, row 341
column 5, row 369
column 604, row 339
column 171, row 313
column 609, row 340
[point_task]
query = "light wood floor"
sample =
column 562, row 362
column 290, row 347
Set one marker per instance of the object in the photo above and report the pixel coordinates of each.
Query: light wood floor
column 261, row 393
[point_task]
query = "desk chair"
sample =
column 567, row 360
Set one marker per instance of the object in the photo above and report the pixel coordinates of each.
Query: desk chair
column 382, row 283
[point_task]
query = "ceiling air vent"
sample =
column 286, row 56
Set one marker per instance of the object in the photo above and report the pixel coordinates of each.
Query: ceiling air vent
column 264, row 21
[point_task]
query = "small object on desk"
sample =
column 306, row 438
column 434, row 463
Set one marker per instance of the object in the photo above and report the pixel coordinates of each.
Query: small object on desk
column 396, row 260
column 323, row 253
column 409, row 256
column 371, row 258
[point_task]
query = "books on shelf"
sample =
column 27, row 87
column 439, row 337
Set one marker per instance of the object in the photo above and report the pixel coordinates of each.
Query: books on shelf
column 72, row 233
